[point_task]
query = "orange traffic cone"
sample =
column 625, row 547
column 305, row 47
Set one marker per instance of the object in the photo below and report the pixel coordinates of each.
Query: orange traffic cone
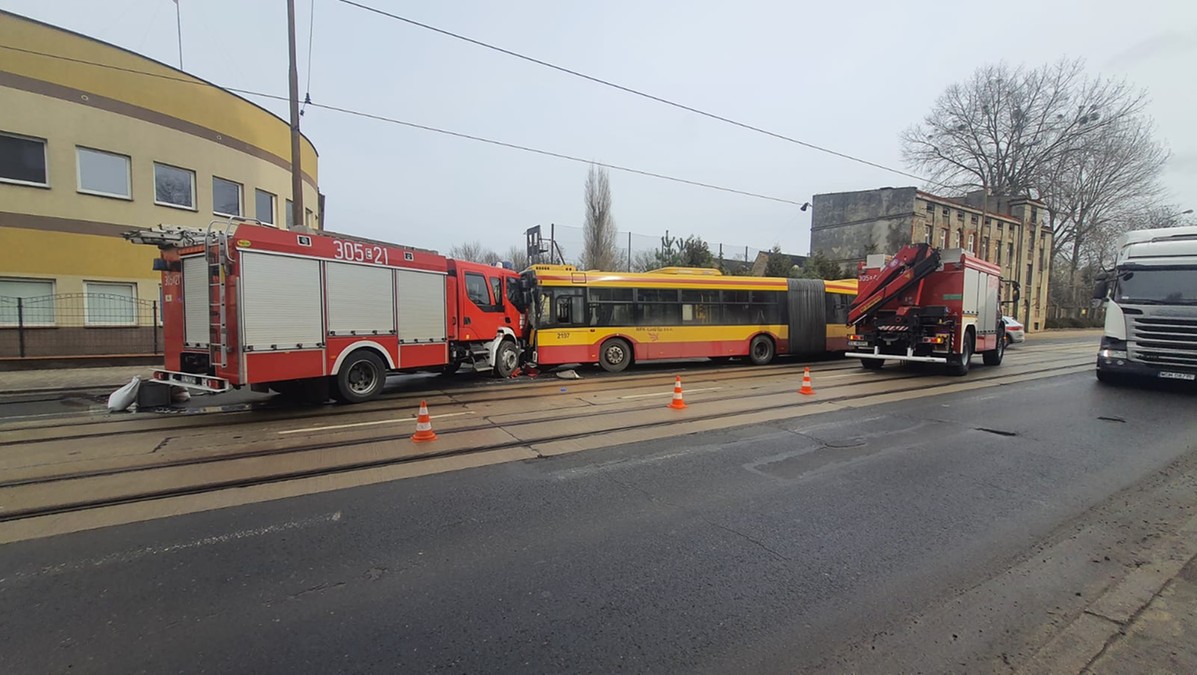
column 424, row 430
column 678, row 402
column 806, row 388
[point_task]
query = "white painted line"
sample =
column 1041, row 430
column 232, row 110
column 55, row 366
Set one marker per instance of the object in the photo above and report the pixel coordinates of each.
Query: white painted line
column 669, row 393
column 137, row 554
column 370, row 424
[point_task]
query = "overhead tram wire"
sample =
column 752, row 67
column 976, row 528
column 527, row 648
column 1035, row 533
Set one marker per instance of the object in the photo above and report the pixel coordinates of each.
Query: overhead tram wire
column 637, row 92
column 413, row 125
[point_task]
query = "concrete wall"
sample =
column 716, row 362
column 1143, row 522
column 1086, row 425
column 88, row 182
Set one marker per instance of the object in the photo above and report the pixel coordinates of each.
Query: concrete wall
column 847, row 226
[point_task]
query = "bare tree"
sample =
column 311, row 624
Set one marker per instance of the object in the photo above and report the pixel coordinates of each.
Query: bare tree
column 518, row 257
column 643, row 261
column 1007, row 128
column 474, row 251
column 599, row 249
column 1083, row 145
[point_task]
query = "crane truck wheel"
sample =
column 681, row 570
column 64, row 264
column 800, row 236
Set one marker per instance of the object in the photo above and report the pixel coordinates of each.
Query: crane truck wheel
column 361, row 377
column 760, row 350
column 615, row 355
column 959, row 367
column 994, row 357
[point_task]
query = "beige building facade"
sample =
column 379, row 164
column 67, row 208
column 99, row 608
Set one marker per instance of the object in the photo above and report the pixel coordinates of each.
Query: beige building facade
column 96, row 141
column 1011, row 233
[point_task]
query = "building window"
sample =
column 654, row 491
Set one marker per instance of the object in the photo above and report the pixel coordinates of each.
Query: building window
column 972, row 242
column 174, row 186
column 226, row 197
column 1035, row 215
column 927, row 234
column 308, row 219
column 959, row 240
column 1010, row 252
column 36, row 306
column 106, row 174
column 973, row 219
column 987, row 222
column 960, row 216
column 23, row 160
column 943, row 238
column 110, row 304
column 946, row 211
column 985, row 248
column 997, row 254
column 264, row 206
column 930, row 207
column 290, row 214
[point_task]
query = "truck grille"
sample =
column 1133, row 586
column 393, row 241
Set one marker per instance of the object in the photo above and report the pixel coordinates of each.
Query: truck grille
column 1165, row 341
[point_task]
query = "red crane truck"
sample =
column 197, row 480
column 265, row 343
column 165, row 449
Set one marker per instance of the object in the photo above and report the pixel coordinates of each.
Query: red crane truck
column 926, row 305
column 316, row 314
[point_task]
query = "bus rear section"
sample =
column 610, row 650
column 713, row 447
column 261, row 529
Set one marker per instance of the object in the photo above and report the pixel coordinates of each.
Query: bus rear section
column 614, row 319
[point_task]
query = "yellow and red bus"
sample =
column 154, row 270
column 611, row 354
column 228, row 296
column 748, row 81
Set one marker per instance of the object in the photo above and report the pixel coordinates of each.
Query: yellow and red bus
column 616, row 318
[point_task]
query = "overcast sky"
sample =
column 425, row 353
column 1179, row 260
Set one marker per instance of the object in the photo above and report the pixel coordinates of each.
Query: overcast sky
column 837, row 74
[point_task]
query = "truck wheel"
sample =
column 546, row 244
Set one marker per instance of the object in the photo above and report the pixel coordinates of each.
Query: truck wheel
column 760, row 350
column 615, row 355
column 507, row 359
column 960, row 366
column 994, row 358
column 871, row 364
column 361, row 377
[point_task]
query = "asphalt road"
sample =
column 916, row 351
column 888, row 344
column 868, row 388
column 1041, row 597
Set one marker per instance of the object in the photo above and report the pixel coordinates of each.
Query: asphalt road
column 769, row 548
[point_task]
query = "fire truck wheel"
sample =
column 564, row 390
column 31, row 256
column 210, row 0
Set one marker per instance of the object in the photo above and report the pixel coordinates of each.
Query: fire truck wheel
column 994, row 358
column 615, row 355
column 760, row 350
column 959, row 367
column 507, row 359
column 451, row 368
column 872, row 364
column 361, row 377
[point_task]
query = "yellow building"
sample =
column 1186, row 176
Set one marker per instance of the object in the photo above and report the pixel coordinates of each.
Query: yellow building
column 96, row 141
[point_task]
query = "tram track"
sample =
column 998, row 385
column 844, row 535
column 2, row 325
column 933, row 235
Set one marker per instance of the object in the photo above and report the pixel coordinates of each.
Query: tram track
column 159, row 472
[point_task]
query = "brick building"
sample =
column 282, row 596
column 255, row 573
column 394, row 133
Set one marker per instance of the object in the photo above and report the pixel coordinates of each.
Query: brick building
column 1010, row 232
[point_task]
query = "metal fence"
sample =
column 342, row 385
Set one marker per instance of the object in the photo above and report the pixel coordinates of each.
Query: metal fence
column 636, row 250
column 79, row 324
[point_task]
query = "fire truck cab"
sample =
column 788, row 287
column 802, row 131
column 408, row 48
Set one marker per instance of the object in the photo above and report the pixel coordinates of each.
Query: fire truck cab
column 316, row 314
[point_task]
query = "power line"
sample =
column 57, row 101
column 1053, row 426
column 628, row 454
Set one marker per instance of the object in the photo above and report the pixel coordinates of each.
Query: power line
column 635, row 92
column 413, row 125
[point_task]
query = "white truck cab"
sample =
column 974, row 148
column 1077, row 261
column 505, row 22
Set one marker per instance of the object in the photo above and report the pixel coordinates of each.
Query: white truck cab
column 1151, row 307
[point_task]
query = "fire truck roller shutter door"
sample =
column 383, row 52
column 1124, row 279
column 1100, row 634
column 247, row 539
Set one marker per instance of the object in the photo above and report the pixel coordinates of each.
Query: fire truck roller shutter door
column 807, row 316
column 360, row 299
column 421, row 307
column 195, row 301
column 281, row 302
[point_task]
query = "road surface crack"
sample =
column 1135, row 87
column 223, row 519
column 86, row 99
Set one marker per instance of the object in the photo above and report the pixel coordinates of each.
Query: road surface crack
column 316, row 589
column 759, row 544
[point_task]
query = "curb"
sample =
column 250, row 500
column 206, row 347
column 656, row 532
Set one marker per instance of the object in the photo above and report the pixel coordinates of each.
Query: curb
column 1107, row 618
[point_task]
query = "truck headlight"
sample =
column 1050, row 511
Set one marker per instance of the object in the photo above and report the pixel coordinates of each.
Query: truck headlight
column 1113, row 354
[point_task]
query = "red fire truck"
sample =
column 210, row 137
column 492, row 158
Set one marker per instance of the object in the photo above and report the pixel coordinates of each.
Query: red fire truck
column 314, row 314
column 929, row 306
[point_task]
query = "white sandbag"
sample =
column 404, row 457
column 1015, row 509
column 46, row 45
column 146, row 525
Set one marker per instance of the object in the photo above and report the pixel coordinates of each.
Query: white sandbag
column 179, row 395
column 124, row 397
column 569, row 375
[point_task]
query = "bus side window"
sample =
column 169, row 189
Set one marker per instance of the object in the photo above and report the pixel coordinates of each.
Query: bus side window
column 562, row 313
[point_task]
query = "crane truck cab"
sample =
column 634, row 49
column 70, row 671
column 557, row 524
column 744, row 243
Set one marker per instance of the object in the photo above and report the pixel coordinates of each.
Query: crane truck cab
column 1150, row 298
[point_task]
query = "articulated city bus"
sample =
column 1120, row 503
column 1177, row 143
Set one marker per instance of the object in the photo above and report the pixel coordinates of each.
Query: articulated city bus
column 615, row 318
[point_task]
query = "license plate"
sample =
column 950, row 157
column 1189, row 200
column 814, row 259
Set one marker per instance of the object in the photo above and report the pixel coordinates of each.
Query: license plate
column 187, row 379
column 855, row 343
column 1178, row 376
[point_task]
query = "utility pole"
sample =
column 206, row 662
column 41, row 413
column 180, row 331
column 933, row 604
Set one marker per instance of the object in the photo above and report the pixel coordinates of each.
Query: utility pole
column 298, row 219
column 179, row 30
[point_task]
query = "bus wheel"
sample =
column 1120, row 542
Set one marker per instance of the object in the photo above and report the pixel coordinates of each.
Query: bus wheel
column 760, row 351
column 507, row 359
column 361, row 377
column 615, row 355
